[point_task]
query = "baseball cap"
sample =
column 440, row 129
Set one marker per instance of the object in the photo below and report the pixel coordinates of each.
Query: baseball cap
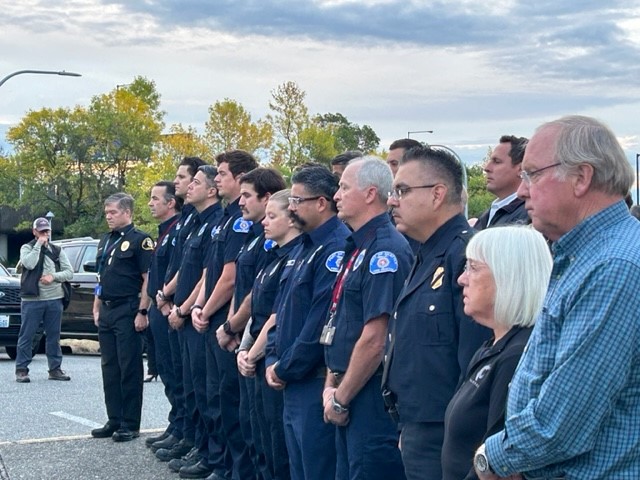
column 41, row 224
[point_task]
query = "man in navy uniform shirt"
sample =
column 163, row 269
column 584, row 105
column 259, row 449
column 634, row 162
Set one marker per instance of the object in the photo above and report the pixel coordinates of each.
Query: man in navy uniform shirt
column 377, row 261
column 212, row 308
column 431, row 339
column 295, row 356
column 120, row 313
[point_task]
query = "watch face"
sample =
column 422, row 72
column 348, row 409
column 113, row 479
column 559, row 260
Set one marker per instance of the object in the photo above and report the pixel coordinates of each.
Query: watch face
column 481, row 463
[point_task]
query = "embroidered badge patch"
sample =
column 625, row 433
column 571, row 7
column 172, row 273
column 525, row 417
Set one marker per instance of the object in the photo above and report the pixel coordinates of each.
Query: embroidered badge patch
column 334, row 262
column 269, row 244
column 147, row 244
column 436, row 281
column 359, row 260
column 241, row 225
column 382, row 262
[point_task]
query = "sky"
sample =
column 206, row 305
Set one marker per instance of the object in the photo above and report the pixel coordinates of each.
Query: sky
column 469, row 71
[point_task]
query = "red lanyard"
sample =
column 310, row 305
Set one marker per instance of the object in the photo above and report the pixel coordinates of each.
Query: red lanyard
column 337, row 288
column 166, row 232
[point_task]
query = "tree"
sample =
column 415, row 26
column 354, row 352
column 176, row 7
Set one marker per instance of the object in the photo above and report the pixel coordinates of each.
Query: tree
column 349, row 136
column 230, row 127
column 289, row 119
column 479, row 198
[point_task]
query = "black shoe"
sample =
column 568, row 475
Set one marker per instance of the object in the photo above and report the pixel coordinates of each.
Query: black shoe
column 158, row 438
column 58, row 374
column 178, row 450
column 125, row 435
column 215, row 476
column 167, row 443
column 22, row 375
column 199, row 470
column 104, row 432
column 191, row 458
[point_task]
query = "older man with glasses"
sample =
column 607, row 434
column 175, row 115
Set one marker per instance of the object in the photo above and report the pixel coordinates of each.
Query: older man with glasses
column 431, row 339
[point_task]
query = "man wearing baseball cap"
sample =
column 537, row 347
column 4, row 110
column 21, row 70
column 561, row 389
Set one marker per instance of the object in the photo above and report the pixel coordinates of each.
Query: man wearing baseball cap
column 45, row 267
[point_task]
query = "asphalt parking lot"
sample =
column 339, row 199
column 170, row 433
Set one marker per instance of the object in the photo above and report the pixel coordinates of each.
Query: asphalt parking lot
column 45, row 425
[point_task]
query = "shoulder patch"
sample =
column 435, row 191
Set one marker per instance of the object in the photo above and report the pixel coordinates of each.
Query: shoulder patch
column 382, row 262
column 334, row 261
column 241, row 225
column 147, row 244
column 269, row 244
column 359, row 260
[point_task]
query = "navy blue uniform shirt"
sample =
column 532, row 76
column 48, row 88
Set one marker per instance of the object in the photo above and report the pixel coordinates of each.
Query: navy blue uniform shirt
column 227, row 239
column 382, row 262
column 265, row 287
column 161, row 255
column 183, row 229
column 432, row 338
column 304, row 301
column 196, row 250
column 122, row 257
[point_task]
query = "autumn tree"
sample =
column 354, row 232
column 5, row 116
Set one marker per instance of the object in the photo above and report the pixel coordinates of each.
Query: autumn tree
column 348, row 135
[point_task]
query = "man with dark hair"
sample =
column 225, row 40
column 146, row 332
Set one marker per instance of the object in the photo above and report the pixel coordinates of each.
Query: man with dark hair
column 165, row 207
column 120, row 312
column 431, row 339
column 396, row 151
column 295, row 360
column 212, row 305
column 502, row 170
column 340, row 161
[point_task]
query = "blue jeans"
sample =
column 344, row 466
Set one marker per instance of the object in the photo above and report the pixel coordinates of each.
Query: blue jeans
column 49, row 313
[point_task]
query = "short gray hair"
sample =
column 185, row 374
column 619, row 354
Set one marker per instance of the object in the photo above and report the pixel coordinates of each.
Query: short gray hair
column 124, row 201
column 520, row 262
column 374, row 172
column 587, row 140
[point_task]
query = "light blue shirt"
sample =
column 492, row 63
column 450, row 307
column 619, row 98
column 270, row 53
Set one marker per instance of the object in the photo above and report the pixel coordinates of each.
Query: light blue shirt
column 574, row 403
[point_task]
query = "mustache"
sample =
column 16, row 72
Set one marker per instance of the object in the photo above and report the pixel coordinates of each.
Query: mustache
column 296, row 218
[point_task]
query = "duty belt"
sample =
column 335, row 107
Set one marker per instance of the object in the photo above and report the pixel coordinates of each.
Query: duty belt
column 118, row 301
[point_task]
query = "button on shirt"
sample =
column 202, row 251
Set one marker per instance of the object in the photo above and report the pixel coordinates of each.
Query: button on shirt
column 305, row 299
column 382, row 262
column 196, row 250
column 227, row 239
column 123, row 256
column 432, row 338
column 574, row 403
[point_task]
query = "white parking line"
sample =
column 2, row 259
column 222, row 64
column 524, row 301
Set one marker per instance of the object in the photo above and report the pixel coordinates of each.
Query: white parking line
column 82, row 421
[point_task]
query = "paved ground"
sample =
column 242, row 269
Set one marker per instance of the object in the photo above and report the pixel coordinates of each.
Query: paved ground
column 44, row 426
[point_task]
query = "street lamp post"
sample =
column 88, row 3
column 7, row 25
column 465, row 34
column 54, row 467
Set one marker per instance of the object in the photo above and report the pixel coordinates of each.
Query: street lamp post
column 418, row 131
column 49, row 216
column 40, row 72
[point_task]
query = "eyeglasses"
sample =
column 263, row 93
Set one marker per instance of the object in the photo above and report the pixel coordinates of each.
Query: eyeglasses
column 527, row 177
column 398, row 192
column 295, row 201
column 471, row 266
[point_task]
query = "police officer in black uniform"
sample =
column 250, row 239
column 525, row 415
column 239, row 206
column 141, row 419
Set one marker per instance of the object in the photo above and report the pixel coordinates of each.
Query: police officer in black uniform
column 431, row 339
column 120, row 313
column 376, row 263
column 213, row 305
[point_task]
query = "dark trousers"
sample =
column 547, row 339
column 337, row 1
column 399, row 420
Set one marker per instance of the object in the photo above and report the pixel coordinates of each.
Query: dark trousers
column 223, row 380
column 195, row 387
column 269, row 408
column 148, row 343
column 250, row 428
column 421, row 449
column 159, row 325
column 121, row 361
column 311, row 442
column 367, row 447
column 183, row 420
column 49, row 313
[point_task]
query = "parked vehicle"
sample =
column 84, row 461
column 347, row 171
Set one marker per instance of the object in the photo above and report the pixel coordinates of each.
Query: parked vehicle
column 10, row 319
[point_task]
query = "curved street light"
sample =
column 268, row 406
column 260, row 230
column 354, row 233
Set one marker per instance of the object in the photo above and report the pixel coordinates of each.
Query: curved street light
column 41, row 72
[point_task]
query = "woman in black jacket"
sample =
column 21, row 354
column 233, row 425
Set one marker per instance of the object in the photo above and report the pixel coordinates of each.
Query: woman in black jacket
column 504, row 285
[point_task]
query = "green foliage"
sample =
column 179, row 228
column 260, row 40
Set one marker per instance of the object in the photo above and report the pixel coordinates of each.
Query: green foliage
column 479, row 198
column 230, row 127
column 347, row 135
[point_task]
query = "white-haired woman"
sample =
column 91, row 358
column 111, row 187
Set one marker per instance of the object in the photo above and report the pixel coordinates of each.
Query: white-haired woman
column 504, row 285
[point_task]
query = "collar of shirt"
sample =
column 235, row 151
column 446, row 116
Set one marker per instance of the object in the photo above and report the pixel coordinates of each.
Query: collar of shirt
column 365, row 232
column 121, row 232
column 498, row 204
column 162, row 228
column 287, row 247
column 232, row 208
column 256, row 229
column 437, row 243
column 324, row 231
column 574, row 241
column 208, row 212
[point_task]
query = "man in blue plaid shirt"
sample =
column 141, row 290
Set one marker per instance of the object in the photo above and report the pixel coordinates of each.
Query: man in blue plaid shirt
column 573, row 410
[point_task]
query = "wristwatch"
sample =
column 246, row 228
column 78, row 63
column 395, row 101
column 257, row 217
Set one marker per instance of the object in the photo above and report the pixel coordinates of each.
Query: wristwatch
column 337, row 407
column 143, row 311
column 481, row 462
column 226, row 326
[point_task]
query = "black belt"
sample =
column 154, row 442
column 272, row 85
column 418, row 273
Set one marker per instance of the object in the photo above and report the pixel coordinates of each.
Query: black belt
column 118, row 301
column 339, row 376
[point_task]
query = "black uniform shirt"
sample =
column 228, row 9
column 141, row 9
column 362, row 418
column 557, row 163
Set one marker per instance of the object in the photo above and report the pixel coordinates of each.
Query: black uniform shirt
column 183, row 229
column 161, row 255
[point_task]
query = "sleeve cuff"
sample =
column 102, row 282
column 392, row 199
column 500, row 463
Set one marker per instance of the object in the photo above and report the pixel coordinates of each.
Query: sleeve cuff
column 497, row 457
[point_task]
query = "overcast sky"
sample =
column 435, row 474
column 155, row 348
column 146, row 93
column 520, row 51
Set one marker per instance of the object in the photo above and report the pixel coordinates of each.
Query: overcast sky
column 470, row 71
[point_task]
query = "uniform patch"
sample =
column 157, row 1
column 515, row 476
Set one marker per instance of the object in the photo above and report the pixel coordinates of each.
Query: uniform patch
column 165, row 240
column 147, row 244
column 290, row 263
column 269, row 244
column 125, row 246
column 215, row 231
column 241, row 225
column 436, row 281
column 359, row 260
column 383, row 262
column 202, row 229
column 334, row 262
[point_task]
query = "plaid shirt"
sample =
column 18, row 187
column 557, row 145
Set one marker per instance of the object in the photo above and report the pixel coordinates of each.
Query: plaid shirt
column 574, row 403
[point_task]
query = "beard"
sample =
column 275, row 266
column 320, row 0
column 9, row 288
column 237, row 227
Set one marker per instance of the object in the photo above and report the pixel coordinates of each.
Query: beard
column 297, row 220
